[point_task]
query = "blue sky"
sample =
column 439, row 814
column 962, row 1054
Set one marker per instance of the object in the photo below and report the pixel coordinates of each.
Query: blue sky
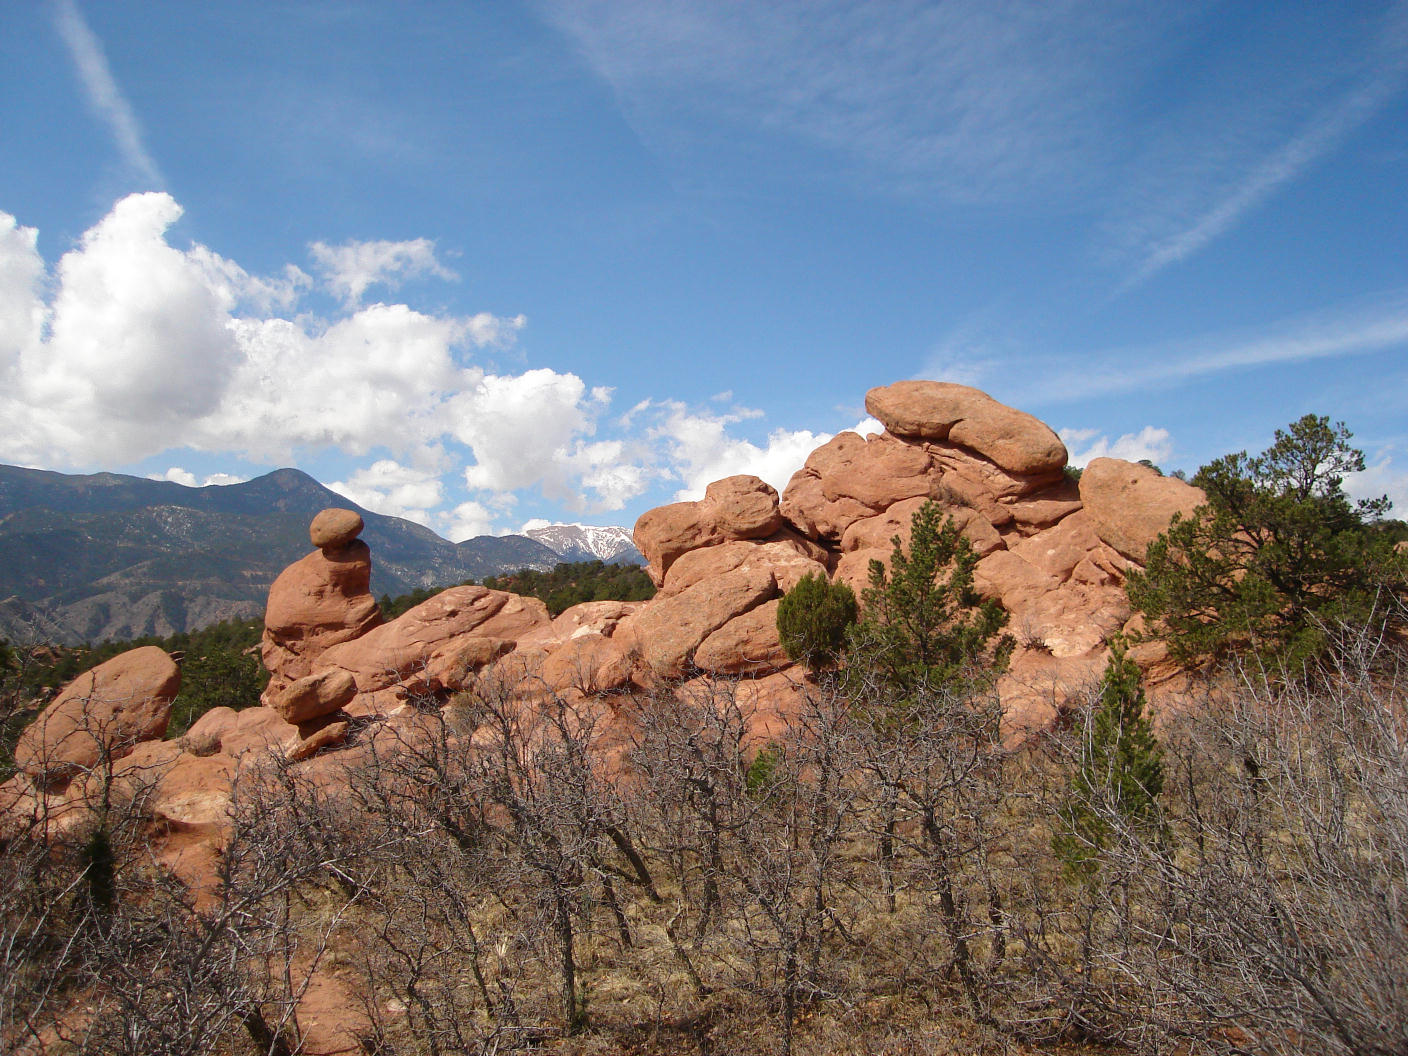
column 485, row 264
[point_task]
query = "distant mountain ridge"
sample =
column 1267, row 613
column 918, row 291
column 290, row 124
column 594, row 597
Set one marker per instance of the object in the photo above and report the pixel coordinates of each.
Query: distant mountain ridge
column 589, row 542
column 105, row 555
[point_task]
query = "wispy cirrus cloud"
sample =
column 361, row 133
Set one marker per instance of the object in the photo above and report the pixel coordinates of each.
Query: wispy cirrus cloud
column 1062, row 102
column 103, row 93
column 1355, row 330
column 973, row 99
column 1206, row 184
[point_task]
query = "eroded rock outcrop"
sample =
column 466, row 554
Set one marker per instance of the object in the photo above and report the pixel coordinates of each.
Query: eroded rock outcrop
column 434, row 646
column 966, row 417
column 347, row 685
column 667, row 632
column 1053, row 553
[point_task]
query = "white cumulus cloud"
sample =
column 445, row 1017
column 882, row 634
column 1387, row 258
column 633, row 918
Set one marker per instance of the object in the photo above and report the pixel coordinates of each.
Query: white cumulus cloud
column 528, row 429
column 1149, row 443
column 179, row 475
column 1381, row 478
column 348, row 269
column 700, row 449
column 131, row 346
column 467, row 520
column 388, row 487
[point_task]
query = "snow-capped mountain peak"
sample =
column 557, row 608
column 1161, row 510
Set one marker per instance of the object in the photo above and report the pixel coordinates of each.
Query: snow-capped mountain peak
column 588, row 542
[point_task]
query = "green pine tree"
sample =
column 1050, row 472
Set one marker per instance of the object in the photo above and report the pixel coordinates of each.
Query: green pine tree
column 812, row 620
column 925, row 626
column 1276, row 558
column 1120, row 769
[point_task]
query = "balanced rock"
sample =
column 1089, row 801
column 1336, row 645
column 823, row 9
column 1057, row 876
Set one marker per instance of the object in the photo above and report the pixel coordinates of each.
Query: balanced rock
column 334, row 528
column 317, row 602
column 101, row 715
column 940, row 410
column 1130, row 504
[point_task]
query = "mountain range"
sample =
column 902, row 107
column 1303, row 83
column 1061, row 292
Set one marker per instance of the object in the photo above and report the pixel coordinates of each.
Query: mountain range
column 589, row 542
column 85, row 558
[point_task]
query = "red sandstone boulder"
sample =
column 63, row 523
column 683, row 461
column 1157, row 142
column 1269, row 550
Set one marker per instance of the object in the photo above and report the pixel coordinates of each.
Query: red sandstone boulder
column 668, row 631
column 1058, row 550
column 740, row 507
column 967, row 480
column 191, row 793
column 314, row 696
column 853, row 570
column 743, row 507
column 206, row 733
column 938, row 410
column 785, row 563
column 879, row 532
column 333, row 528
column 330, row 736
column 1016, row 583
column 1038, row 687
column 436, row 644
column 746, row 645
column 1129, row 505
column 588, row 617
column 590, row 663
column 317, row 602
column 795, row 540
column 850, row 478
column 259, row 731
column 666, row 532
column 101, row 715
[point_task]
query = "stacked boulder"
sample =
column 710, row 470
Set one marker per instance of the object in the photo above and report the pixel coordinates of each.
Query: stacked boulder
column 318, row 602
column 1054, row 553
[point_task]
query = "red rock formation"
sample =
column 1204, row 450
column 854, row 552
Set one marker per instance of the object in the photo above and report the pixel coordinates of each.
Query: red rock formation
column 318, row 602
column 101, row 715
column 742, row 507
column 333, row 528
column 436, row 644
column 668, row 631
column 940, row 410
column 1130, row 504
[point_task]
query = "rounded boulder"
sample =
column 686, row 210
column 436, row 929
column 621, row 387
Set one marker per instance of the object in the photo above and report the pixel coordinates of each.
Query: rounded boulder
column 941, row 410
column 1130, row 504
column 103, row 714
column 334, row 528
